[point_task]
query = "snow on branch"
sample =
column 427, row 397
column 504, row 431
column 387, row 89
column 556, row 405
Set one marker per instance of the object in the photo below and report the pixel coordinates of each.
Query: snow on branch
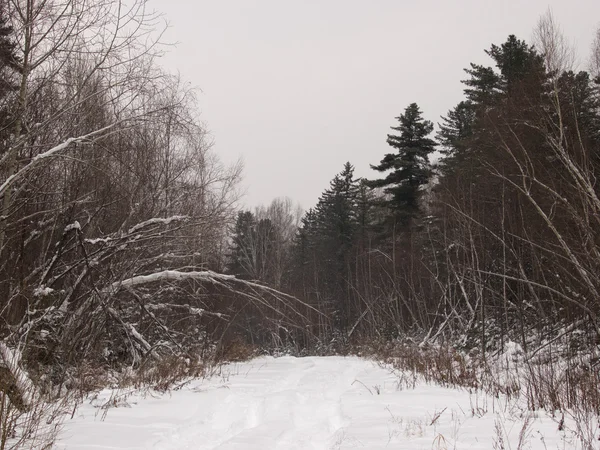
column 36, row 160
column 73, row 226
column 11, row 359
column 200, row 312
column 207, row 276
column 167, row 275
column 136, row 228
column 157, row 220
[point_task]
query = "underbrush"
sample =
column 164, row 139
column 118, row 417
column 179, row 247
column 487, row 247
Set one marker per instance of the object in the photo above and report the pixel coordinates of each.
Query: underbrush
column 564, row 384
column 59, row 390
column 555, row 375
column 35, row 426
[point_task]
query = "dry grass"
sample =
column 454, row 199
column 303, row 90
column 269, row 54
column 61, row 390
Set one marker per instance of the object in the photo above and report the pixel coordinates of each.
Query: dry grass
column 59, row 395
column 35, row 427
column 561, row 386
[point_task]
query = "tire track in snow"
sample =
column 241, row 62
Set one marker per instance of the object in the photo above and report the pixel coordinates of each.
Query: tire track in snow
column 284, row 404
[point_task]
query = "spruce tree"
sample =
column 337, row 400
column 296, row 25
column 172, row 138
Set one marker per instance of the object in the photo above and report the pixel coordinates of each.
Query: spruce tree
column 324, row 246
column 409, row 167
column 581, row 103
column 510, row 90
column 8, row 55
column 337, row 210
column 519, row 67
column 456, row 131
column 9, row 66
column 517, row 62
column 251, row 253
column 240, row 252
column 483, row 85
column 366, row 211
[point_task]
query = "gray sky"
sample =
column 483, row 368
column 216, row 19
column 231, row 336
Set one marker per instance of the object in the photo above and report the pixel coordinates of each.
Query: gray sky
column 297, row 88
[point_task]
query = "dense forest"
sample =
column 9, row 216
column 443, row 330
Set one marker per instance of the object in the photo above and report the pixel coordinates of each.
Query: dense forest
column 123, row 245
column 498, row 238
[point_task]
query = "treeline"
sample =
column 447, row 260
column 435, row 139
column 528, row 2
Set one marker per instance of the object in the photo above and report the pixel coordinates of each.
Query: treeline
column 498, row 238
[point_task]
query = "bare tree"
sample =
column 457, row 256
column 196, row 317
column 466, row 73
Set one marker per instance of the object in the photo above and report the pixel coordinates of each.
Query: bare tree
column 595, row 56
column 284, row 218
column 558, row 53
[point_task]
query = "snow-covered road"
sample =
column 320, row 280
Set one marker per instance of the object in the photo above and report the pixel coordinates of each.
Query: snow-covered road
column 304, row 403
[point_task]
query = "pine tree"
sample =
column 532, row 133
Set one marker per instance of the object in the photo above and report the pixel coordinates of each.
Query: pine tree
column 409, row 166
column 9, row 65
column 483, row 85
column 455, row 133
column 336, row 210
column 324, row 247
column 366, row 212
column 517, row 64
column 581, row 102
column 240, row 252
column 510, row 89
column 264, row 251
column 8, row 56
column 251, row 254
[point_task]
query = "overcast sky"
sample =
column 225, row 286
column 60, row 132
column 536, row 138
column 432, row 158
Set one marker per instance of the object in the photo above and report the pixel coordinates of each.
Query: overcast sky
column 295, row 88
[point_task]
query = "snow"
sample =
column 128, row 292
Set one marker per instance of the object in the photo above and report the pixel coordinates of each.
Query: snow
column 156, row 221
column 172, row 275
column 11, row 360
column 73, row 226
column 38, row 159
column 97, row 241
column 42, row 291
column 189, row 309
column 307, row 403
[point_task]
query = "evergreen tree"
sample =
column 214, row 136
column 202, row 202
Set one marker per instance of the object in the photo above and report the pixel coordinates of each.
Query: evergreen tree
column 409, row 166
column 324, row 246
column 519, row 68
column 240, row 252
column 517, row 62
column 505, row 94
column 455, row 134
column 8, row 55
column 582, row 102
column 483, row 85
column 264, row 251
column 366, row 212
column 336, row 210
column 301, row 254
column 9, row 65
column 251, row 254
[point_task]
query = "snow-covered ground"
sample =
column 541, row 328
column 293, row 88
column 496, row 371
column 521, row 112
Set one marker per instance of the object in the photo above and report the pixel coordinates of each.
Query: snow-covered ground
column 307, row 403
